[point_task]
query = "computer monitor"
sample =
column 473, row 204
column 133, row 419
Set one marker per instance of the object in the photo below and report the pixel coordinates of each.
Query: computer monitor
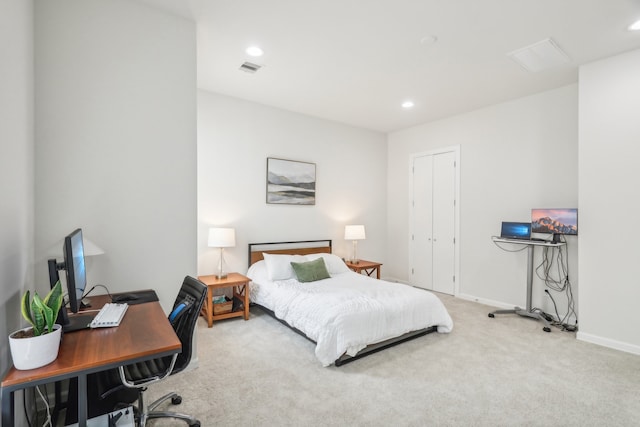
column 73, row 264
column 516, row 230
column 555, row 221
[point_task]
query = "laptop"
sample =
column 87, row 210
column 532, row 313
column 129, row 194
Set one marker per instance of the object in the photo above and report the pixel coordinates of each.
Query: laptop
column 516, row 230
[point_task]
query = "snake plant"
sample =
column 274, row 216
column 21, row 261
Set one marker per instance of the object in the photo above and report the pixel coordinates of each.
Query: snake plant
column 41, row 313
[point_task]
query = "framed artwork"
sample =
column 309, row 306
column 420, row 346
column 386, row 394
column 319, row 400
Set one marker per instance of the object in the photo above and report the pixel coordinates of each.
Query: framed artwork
column 290, row 182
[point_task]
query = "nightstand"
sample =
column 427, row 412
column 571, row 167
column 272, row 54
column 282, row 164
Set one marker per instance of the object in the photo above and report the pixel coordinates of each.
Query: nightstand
column 367, row 266
column 240, row 285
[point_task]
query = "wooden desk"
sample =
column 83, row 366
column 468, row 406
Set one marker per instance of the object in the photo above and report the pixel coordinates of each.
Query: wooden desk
column 367, row 266
column 240, row 285
column 144, row 333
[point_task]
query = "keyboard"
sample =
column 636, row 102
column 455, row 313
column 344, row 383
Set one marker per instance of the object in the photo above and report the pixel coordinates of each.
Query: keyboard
column 110, row 315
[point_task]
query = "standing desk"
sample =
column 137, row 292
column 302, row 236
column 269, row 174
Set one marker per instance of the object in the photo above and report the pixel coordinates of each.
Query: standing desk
column 144, row 333
column 531, row 244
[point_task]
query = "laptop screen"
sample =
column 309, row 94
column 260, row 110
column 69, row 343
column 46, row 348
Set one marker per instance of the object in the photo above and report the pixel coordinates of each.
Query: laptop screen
column 516, row 230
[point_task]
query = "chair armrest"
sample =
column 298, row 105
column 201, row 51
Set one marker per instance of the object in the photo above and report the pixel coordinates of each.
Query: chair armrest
column 145, row 382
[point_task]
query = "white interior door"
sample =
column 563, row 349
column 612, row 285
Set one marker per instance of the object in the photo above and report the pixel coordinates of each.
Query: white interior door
column 433, row 225
column 444, row 222
column 422, row 263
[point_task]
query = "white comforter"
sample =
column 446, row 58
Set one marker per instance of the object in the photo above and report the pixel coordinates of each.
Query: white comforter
column 349, row 311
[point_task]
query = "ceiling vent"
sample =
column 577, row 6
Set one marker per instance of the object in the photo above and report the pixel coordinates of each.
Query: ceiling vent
column 539, row 56
column 250, row 67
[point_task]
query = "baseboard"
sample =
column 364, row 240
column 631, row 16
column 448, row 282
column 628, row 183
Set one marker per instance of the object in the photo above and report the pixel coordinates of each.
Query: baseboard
column 609, row 343
column 485, row 301
column 393, row 280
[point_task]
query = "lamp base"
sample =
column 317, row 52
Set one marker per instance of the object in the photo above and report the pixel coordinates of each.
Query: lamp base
column 220, row 276
column 354, row 261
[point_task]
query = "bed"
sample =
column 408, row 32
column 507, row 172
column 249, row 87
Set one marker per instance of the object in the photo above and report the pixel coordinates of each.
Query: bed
column 347, row 315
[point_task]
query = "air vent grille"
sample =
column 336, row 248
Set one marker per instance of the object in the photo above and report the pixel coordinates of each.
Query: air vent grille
column 250, row 67
column 543, row 55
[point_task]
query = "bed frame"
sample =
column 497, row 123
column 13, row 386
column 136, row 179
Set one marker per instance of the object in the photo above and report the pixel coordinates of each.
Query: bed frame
column 322, row 246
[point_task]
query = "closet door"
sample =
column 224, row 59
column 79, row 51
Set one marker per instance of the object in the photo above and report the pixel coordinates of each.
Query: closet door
column 422, row 229
column 433, row 222
column 444, row 222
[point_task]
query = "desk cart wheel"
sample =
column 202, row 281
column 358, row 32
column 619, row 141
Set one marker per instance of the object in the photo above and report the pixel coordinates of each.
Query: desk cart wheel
column 176, row 400
column 491, row 315
column 546, row 329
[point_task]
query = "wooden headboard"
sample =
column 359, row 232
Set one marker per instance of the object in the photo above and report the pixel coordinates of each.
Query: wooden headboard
column 302, row 247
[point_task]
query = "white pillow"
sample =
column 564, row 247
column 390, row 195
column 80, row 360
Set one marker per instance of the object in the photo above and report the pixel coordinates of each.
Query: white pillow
column 279, row 266
column 335, row 264
column 258, row 272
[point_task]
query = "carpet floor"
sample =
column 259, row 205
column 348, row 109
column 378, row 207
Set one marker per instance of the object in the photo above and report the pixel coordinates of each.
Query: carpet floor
column 500, row 372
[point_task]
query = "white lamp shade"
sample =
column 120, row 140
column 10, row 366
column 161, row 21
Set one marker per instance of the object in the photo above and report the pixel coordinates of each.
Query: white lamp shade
column 222, row 237
column 354, row 232
column 89, row 248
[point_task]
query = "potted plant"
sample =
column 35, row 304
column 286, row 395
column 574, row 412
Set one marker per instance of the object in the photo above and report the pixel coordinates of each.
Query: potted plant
column 37, row 345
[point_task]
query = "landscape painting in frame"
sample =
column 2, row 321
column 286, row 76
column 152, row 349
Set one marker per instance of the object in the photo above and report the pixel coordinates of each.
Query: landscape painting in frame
column 290, row 182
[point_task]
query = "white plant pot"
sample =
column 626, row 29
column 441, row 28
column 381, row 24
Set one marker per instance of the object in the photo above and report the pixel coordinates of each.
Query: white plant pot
column 34, row 352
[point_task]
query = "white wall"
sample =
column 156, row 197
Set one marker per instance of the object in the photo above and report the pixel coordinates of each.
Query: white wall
column 16, row 171
column 16, row 165
column 514, row 156
column 235, row 137
column 116, row 140
column 609, row 201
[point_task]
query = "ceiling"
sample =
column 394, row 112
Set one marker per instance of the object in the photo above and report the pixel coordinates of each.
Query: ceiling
column 356, row 61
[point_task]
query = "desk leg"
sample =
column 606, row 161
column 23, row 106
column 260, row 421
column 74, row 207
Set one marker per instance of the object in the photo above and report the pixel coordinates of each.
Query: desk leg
column 535, row 315
column 529, row 276
column 82, row 400
column 8, row 402
column 527, row 312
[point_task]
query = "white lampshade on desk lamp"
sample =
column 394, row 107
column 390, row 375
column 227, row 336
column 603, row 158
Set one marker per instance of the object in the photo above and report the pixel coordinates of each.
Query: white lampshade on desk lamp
column 355, row 233
column 90, row 248
column 222, row 238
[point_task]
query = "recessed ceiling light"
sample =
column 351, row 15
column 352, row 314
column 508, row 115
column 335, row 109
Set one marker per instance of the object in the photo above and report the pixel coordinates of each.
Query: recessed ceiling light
column 635, row 26
column 407, row 105
column 254, row 51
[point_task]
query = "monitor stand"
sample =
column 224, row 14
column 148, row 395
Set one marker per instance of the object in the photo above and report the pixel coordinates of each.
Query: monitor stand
column 69, row 323
column 77, row 323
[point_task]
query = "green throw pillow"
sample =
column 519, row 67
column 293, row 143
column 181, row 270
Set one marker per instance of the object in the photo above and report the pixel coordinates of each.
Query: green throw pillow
column 310, row 271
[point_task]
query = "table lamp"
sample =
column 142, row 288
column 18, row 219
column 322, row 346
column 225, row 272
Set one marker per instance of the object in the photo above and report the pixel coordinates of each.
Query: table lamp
column 222, row 238
column 90, row 248
column 355, row 233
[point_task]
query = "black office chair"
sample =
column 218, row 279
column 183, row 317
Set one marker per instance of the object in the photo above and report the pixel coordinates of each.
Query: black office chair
column 183, row 318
